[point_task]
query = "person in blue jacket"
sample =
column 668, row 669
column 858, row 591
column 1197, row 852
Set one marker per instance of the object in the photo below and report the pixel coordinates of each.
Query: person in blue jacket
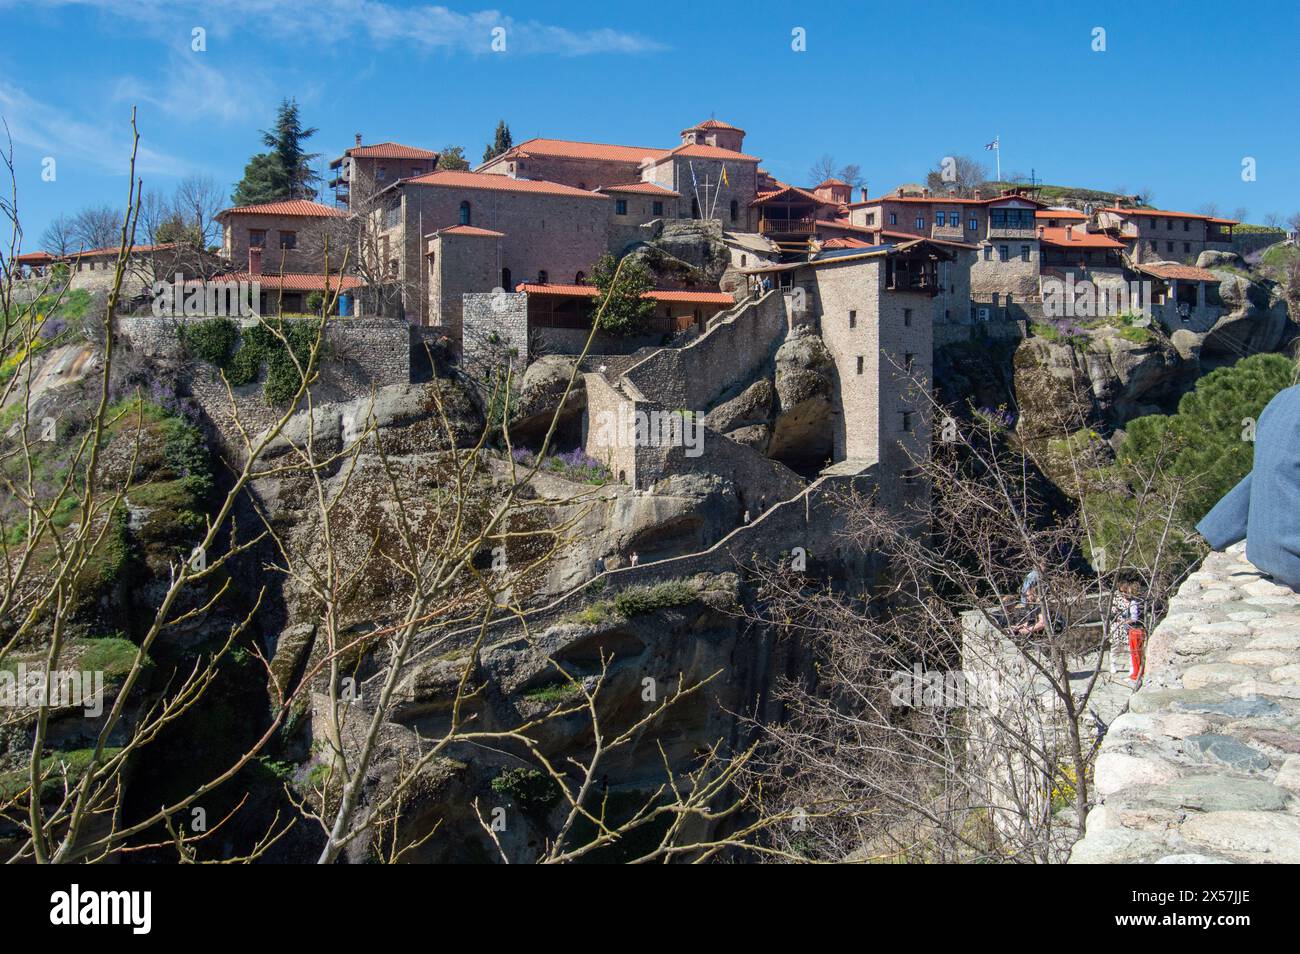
column 1264, row 509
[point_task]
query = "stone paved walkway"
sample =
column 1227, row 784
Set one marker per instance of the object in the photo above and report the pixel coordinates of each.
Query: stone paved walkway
column 1204, row 768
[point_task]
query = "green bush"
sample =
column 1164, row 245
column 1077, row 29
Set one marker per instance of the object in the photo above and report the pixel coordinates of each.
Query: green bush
column 531, row 790
column 212, row 339
column 636, row 600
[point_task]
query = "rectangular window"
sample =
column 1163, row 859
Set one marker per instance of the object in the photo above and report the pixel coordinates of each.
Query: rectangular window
column 257, row 238
column 1024, row 253
column 658, row 208
column 988, row 253
column 920, row 221
column 620, row 206
column 893, row 218
column 288, row 239
column 381, row 173
column 940, row 218
column 907, row 422
column 973, row 224
column 907, row 317
column 908, row 360
column 1187, row 225
column 1004, row 253
column 853, row 319
column 1011, row 218
column 859, row 364
column 1169, row 246
column 871, row 218
column 1187, row 246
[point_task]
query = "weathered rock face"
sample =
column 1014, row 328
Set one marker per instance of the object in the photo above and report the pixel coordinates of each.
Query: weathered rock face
column 751, row 406
column 521, row 680
column 540, row 392
column 1255, row 321
column 689, row 254
column 1205, row 766
column 801, row 430
column 1212, row 258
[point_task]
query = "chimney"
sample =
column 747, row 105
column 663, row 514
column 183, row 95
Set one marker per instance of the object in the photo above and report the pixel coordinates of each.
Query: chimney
column 1069, row 233
column 1040, row 231
column 863, row 192
column 358, row 138
column 979, row 193
column 254, row 261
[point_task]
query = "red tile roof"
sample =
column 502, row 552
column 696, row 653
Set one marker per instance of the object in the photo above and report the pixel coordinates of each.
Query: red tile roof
column 571, row 149
column 470, row 230
column 590, row 291
column 1079, row 238
column 36, row 258
column 1071, row 214
column 640, row 188
column 831, row 182
column 845, row 242
column 495, row 183
column 793, row 192
column 293, row 281
column 948, row 200
column 703, row 151
column 716, row 124
column 1185, row 272
column 389, row 150
column 303, row 207
column 1165, row 214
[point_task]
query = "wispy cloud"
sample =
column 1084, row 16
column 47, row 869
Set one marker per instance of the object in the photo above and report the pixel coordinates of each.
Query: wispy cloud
column 341, row 22
column 189, row 89
column 54, row 132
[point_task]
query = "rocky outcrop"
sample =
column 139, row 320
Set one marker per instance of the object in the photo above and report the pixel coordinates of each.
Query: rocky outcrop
column 687, row 254
column 540, row 392
column 1204, row 768
column 1254, row 320
column 805, row 382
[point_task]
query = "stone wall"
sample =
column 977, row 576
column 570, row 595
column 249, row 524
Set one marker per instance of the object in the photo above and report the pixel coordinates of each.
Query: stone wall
column 363, row 353
column 495, row 326
column 732, row 351
column 1205, row 765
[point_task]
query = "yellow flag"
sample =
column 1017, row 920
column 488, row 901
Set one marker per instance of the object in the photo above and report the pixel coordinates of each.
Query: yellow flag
column 724, row 174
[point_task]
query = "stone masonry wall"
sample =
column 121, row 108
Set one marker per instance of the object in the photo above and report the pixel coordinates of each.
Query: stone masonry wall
column 731, row 351
column 1205, row 765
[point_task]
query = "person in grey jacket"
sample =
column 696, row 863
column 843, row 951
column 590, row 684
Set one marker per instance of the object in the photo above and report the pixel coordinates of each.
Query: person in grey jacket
column 1264, row 509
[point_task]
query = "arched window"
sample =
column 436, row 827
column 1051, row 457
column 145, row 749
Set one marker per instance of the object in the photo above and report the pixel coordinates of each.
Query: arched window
column 542, row 278
column 505, row 280
column 579, row 278
column 735, row 210
column 744, row 260
column 695, row 208
column 464, row 213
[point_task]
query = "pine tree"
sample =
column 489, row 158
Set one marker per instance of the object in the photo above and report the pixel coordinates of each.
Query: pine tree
column 501, row 142
column 285, row 171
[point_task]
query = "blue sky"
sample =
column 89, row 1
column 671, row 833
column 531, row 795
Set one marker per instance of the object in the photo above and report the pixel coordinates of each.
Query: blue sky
column 1183, row 92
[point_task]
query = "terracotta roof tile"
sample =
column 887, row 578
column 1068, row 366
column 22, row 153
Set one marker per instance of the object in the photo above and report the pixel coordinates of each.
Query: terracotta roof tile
column 1079, row 238
column 389, row 150
column 1165, row 214
column 470, row 230
column 1172, row 270
column 293, row 281
column 303, row 207
column 495, row 183
column 640, row 188
column 571, row 149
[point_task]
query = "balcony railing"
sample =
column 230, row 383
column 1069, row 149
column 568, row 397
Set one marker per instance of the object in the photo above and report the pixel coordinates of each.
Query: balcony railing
column 787, row 226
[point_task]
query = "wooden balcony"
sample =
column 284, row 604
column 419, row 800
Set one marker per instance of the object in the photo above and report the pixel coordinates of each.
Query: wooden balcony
column 787, row 226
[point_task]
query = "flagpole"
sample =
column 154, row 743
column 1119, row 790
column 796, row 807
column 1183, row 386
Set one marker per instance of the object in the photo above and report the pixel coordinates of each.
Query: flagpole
column 997, row 153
